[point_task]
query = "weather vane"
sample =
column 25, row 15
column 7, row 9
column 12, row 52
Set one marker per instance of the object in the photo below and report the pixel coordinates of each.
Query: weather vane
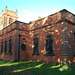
column 2, row 10
column 16, row 10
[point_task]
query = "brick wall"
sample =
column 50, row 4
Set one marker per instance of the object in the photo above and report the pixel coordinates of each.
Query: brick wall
column 23, row 33
column 41, row 33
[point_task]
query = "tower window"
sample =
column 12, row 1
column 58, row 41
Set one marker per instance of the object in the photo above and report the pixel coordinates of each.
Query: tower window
column 36, row 46
column 49, row 45
column 5, row 20
column 10, row 20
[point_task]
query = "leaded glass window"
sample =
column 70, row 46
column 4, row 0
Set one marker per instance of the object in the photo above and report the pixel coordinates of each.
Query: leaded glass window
column 10, row 46
column 36, row 46
column 2, row 47
column 49, row 44
column 5, row 47
column 23, row 47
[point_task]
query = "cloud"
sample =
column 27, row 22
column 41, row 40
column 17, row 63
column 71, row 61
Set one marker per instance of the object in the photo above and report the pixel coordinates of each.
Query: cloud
column 26, row 16
column 44, row 14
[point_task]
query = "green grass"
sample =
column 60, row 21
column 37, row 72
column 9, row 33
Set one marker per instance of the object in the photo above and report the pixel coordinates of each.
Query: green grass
column 34, row 68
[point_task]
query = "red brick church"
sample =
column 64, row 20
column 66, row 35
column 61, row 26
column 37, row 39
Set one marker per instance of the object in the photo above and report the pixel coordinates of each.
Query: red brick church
column 50, row 39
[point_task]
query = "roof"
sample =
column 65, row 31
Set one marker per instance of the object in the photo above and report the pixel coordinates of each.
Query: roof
column 67, row 11
column 54, row 14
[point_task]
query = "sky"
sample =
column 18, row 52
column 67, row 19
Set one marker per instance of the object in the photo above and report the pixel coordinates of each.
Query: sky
column 29, row 10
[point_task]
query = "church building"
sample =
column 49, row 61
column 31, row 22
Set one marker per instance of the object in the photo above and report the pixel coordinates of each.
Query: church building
column 49, row 39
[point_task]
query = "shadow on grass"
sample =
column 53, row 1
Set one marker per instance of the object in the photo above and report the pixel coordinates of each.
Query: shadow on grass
column 35, row 68
column 3, row 62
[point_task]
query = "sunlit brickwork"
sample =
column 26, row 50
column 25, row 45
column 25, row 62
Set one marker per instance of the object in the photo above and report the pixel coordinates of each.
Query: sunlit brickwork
column 61, row 26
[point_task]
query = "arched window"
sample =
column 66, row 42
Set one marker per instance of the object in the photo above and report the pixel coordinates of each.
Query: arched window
column 49, row 45
column 5, row 47
column 10, row 46
column 2, row 47
column 10, row 20
column 36, row 46
column 23, row 47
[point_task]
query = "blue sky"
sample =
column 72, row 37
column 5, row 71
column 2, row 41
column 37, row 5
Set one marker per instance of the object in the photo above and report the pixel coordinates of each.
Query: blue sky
column 30, row 9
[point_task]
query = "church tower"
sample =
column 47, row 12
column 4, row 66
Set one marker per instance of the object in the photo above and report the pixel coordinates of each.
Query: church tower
column 7, row 17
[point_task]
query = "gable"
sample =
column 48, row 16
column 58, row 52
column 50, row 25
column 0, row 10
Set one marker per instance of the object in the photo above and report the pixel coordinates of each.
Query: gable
column 67, row 15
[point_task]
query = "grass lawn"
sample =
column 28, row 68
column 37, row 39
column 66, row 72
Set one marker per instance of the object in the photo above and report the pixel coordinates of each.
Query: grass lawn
column 34, row 68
